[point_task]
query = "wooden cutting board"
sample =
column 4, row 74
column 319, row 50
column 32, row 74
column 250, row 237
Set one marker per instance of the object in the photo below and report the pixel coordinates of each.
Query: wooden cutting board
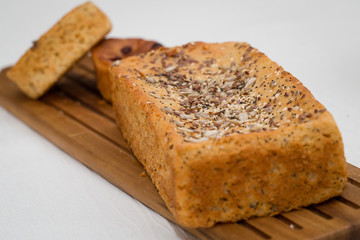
column 75, row 118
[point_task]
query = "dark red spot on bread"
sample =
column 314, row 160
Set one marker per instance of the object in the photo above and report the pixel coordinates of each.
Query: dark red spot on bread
column 126, row 50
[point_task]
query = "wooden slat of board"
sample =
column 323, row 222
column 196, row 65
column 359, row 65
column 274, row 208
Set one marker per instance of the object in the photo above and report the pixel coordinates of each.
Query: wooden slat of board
column 354, row 175
column 341, row 211
column 76, row 91
column 338, row 209
column 233, row 231
column 352, row 194
column 86, row 116
column 86, row 63
column 315, row 225
column 278, row 229
column 74, row 117
column 83, row 76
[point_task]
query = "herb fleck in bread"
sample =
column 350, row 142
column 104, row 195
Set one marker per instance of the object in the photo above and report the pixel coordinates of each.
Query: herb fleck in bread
column 59, row 48
column 112, row 49
column 225, row 133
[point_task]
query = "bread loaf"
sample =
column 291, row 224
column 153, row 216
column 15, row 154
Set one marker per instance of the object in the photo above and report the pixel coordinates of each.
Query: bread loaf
column 59, row 48
column 113, row 49
column 225, row 133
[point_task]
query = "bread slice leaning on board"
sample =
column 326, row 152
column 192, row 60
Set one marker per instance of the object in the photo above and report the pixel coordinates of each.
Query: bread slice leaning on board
column 59, row 48
column 225, row 133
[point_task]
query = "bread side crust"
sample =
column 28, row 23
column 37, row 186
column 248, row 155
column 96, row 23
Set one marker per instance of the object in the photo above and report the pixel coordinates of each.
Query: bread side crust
column 237, row 176
column 143, row 127
column 262, row 174
column 59, row 48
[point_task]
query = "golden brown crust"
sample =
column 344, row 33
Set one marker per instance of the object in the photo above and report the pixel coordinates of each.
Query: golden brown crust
column 112, row 49
column 218, row 160
column 59, row 48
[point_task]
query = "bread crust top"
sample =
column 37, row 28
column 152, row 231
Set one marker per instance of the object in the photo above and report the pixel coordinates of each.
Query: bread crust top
column 210, row 91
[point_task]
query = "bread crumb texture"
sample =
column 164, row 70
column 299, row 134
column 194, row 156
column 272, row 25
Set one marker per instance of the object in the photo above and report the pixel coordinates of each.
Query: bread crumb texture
column 225, row 133
column 59, row 48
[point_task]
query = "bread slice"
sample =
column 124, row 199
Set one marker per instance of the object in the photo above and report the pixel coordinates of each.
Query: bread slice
column 225, row 133
column 112, row 49
column 59, row 48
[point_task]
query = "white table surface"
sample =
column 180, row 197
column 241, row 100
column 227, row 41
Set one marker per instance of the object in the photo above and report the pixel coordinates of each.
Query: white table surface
column 46, row 194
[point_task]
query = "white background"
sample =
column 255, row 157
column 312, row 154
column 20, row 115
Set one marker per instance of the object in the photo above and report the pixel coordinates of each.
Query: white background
column 46, row 194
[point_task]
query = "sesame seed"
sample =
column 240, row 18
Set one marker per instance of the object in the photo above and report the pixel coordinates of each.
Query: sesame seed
column 115, row 63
